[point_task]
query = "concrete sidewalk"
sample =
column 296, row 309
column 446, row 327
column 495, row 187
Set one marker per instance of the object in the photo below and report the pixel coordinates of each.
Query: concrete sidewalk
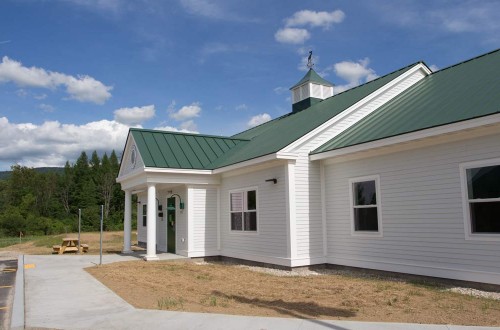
column 59, row 294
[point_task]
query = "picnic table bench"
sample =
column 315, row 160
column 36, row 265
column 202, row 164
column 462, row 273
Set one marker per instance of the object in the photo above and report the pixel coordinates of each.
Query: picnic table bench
column 69, row 245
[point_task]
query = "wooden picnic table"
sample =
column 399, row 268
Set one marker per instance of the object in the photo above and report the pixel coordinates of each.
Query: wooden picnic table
column 69, row 244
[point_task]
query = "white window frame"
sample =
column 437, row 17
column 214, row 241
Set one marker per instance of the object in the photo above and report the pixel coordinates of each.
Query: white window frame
column 469, row 235
column 245, row 190
column 362, row 233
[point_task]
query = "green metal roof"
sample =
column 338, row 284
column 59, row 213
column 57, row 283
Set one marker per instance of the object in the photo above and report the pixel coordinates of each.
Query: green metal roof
column 181, row 150
column 312, row 76
column 276, row 134
column 164, row 149
column 467, row 90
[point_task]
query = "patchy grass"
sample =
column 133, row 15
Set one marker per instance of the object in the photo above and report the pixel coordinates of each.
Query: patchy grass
column 231, row 289
column 112, row 243
column 170, row 303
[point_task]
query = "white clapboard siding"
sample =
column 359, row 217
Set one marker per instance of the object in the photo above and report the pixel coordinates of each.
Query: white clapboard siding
column 269, row 244
column 307, row 183
column 204, row 221
column 422, row 213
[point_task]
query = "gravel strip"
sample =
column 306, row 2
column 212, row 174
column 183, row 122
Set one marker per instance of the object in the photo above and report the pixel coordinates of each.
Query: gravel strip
column 476, row 293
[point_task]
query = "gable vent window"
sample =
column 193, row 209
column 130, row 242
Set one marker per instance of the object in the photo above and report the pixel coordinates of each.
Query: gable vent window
column 243, row 210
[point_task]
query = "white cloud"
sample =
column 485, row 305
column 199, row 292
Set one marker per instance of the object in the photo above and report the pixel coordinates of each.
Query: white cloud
column 354, row 73
column 82, row 88
column 461, row 16
column 52, row 143
column 433, row 67
column 46, row 107
column 186, row 112
column 258, row 119
column 315, row 18
column 135, row 115
column 189, row 126
column 215, row 48
column 280, row 90
column 292, row 35
column 40, row 96
column 21, row 92
column 241, row 107
column 113, row 6
column 212, row 10
column 173, row 129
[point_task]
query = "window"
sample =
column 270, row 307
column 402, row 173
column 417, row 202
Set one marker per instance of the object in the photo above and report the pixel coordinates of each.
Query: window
column 144, row 215
column 365, row 208
column 243, row 210
column 482, row 197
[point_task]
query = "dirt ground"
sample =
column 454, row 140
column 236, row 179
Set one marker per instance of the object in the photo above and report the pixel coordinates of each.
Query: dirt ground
column 112, row 243
column 232, row 289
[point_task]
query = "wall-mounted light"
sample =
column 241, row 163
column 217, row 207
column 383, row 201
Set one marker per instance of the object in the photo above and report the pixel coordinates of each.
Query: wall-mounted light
column 181, row 203
column 274, row 180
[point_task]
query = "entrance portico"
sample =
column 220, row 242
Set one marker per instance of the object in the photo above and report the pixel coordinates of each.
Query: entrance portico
column 156, row 219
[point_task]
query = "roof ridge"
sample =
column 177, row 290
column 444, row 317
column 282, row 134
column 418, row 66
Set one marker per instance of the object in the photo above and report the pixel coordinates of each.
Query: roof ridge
column 264, row 123
column 184, row 133
column 465, row 61
column 378, row 78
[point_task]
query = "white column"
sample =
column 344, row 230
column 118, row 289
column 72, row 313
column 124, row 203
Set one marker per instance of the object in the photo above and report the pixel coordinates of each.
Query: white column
column 151, row 223
column 127, row 223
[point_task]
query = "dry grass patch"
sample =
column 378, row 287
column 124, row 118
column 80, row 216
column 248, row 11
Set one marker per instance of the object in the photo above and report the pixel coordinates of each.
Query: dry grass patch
column 230, row 289
column 112, row 243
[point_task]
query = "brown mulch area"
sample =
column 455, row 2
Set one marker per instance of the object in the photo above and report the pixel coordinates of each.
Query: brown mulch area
column 231, row 289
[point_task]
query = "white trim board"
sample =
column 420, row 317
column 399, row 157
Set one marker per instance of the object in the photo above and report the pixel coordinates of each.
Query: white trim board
column 486, row 122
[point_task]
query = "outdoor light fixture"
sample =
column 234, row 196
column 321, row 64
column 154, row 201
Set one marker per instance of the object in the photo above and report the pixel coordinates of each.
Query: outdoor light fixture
column 272, row 180
column 181, row 203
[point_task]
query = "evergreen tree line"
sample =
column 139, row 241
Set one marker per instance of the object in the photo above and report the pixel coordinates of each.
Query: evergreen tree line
column 47, row 203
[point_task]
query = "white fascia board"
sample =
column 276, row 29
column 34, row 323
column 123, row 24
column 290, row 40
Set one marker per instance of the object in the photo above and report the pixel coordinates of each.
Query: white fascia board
column 318, row 130
column 410, row 137
column 130, row 175
column 150, row 170
column 256, row 161
column 123, row 154
column 176, row 171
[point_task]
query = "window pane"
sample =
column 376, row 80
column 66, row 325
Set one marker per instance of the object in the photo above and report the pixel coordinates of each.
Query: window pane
column 365, row 219
column 237, row 201
column 484, row 182
column 364, row 193
column 485, row 217
column 236, row 221
column 144, row 215
column 251, row 221
column 252, row 200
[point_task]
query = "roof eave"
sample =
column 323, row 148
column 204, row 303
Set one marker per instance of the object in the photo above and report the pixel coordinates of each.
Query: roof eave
column 489, row 120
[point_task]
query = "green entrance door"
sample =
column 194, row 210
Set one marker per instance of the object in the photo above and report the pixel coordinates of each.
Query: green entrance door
column 171, row 225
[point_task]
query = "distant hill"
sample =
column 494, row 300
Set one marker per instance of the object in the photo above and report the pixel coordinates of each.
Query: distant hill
column 6, row 174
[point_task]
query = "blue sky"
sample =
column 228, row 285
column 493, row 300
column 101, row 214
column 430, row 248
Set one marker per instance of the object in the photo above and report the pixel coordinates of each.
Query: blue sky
column 76, row 74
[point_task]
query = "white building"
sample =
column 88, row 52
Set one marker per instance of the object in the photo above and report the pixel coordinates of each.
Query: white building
column 399, row 174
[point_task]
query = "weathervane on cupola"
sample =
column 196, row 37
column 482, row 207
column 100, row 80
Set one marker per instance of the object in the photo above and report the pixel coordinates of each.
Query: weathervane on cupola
column 311, row 89
column 310, row 63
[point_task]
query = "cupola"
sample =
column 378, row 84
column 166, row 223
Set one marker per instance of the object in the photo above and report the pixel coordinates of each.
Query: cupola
column 311, row 89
